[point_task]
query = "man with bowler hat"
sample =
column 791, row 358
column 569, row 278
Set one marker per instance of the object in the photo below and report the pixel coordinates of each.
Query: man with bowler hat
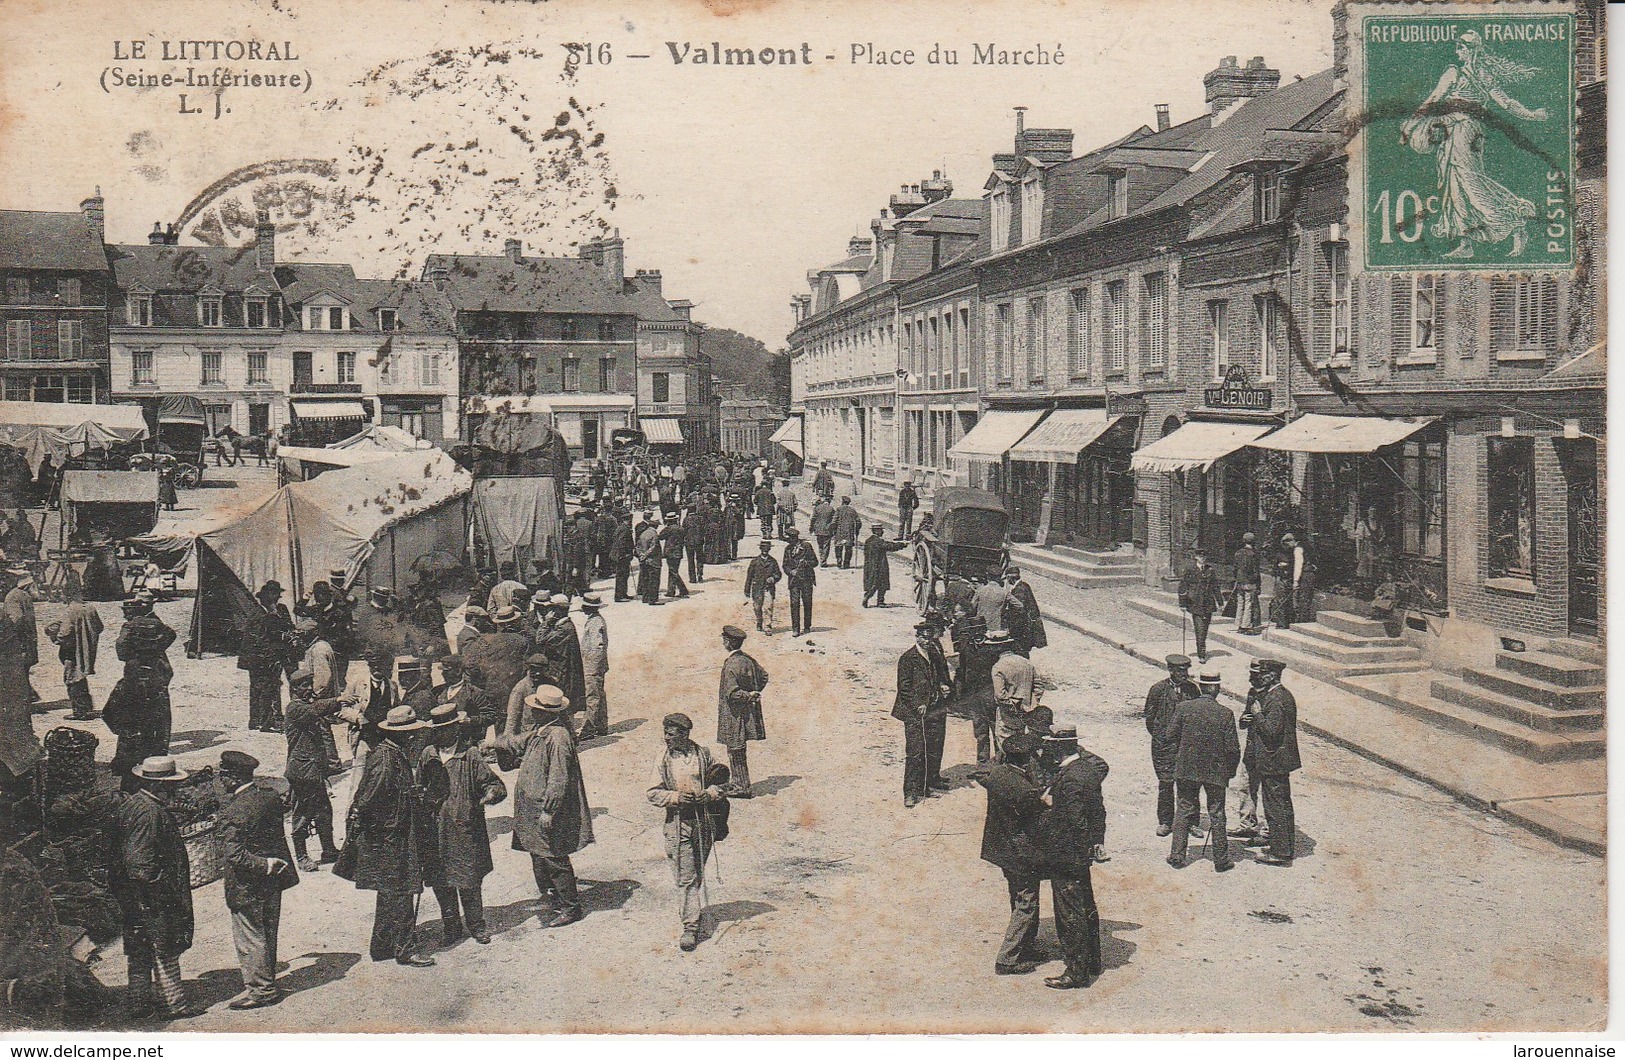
column 739, row 708
column 921, row 704
column 259, row 867
column 1272, row 756
column 761, row 586
column 800, row 574
column 1074, row 835
column 1160, row 703
column 1204, row 731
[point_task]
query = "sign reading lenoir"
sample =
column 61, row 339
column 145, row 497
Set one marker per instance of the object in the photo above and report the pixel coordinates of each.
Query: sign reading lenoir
column 1468, row 136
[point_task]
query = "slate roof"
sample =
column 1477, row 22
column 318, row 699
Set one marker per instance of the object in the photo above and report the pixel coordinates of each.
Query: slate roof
column 496, row 283
column 44, row 239
column 166, row 268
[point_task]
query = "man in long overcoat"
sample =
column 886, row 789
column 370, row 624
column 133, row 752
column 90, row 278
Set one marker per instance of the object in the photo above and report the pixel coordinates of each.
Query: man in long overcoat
column 307, row 725
column 18, row 609
column 1204, row 730
column 387, row 829
column 621, row 551
column 877, row 564
column 1199, row 595
column 1272, row 757
column 739, row 708
column 595, row 667
column 457, row 787
column 1009, row 840
column 800, row 564
column 647, row 549
column 1160, row 703
column 496, row 662
column 921, row 704
column 821, row 525
column 1074, row 834
column 264, row 653
column 562, row 645
column 685, row 787
column 150, row 875
column 143, row 646
column 81, row 634
column 259, row 867
column 603, row 541
column 672, row 536
column 1022, row 617
column 551, row 817
column 848, row 527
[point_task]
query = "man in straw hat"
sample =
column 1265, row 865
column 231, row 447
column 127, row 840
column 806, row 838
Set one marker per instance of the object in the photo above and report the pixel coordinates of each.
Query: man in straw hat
column 1073, row 836
column 458, row 785
column 1204, row 731
column 551, row 817
column 1014, row 686
column 259, row 867
column 595, row 667
column 386, row 832
column 921, row 704
column 150, row 876
column 739, row 708
column 689, row 786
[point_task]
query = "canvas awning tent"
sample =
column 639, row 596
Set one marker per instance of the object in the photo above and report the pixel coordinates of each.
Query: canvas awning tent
column 58, row 430
column 301, row 462
column 119, row 504
column 382, row 438
column 661, row 430
column 789, row 435
column 994, row 434
column 516, row 519
column 182, row 408
column 1063, row 435
column 1314, row 433
column 371, row 521
column 1196, row 445
column 328, row 410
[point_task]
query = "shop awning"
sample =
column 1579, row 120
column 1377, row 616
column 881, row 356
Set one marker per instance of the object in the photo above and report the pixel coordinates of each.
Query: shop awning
column 1196, row 445
column 661, row 430
column 788, row 435
column 328, row 410
column 994, row 434
column 110, row 487
column 1063, row 435
column 1314, row 433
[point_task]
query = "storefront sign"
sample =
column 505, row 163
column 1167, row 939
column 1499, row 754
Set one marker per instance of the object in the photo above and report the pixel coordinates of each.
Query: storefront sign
column 1235, row 393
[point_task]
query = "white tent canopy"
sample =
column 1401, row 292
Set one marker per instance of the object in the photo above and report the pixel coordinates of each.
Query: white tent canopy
column 63, row 429
column 1196, row 445
column 1063, row 436
column 994, row 434
column 1315, row 433
column 382, row 438
column 788, row 434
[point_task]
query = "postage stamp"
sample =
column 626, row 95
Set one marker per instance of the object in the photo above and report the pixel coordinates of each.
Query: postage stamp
column 1468, row 135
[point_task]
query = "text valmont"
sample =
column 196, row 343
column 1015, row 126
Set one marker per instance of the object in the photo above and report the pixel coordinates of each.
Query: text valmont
column 864, row 53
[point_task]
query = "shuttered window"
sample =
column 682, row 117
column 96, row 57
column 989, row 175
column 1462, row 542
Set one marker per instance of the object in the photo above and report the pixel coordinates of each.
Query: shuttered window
column 1035, row 340
column 1116, row 327
column 1266, row 315
column 1077, row 334
column 1218, row 319
column 1417, row 302
column 1002, row 367
column 1154, row 321
column 1523, row 316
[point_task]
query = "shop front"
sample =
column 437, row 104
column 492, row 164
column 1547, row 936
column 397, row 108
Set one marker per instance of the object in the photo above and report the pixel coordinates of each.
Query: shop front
column 1021, row 484
column 1369, row 493
column 1070, row 479
column 321, row 421
column 1211, row 491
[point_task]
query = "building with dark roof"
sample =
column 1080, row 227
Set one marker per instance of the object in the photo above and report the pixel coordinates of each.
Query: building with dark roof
column 55, row 307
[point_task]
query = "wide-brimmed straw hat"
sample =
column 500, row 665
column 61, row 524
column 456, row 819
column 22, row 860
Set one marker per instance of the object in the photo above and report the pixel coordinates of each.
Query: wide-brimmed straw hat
column 402, row 719
column 160, row 767
column 548, row 699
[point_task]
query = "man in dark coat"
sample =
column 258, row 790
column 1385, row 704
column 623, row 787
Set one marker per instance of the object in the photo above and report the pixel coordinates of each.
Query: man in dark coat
column 18, row 609
column 259, row 867
column 620, row 555
column 1199, row 595
column 79, row 635
column 800, row 564
column 848, row 526
column 1272, row 756
column 1160, row 703
column 551, row 817
column 739, row 708
column 1205, row 732
column 1074, row 835
column 457, row 787
column 671, row 547
column 647, row 550
column 308, row 721
column 821, row 524
column 733, row 519
column 603, row 540
column 823, row 483
column 761, row 586
column 387, row 830
column 1021, row 615
column 697, row 536
column 561, row 643
column 496, row 662
column 907, row 501
column 973, row 678
column 1249, row 579
column 267, row 643
column 921, row 704
column 765, row 503
column 150, row 876
column 1009, row 840
column 877, row 564
column 143, row 645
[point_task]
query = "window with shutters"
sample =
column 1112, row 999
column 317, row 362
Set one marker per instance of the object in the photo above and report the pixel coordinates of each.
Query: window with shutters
column 1266, row 315
column 1417, row 315
column 429, row 369
column 1035, row 340
column 1077, row 333
column 138, row 310
column 1154, row 321
column 950, row 343
column 1512, row 508
column 1003, row 370
column 70, row 340
column 19, row 340
column 1269, row 196
column 606, row 375
column 1117, row 196
column 259, row 372
column 209, row 310
column 933, row 352
column 67, row 291
column 1523, row 318
column 1218, row 323
column 964, row 335
column 999, row 216
column 1032, row 207
column 346, row 367
column 1338, row 346
column 1116, row 325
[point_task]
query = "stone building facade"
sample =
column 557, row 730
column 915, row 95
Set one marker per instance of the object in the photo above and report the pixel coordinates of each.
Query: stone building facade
column 55, row 287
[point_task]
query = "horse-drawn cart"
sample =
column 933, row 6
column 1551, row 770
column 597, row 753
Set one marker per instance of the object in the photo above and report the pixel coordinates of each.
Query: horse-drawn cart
column 967, row 540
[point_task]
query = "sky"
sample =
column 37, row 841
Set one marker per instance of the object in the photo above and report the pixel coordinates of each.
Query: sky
column 450, row 126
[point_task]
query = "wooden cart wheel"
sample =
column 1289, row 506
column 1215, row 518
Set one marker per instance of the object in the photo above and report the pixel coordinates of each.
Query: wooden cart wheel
column 188, row 476
column 925, row 577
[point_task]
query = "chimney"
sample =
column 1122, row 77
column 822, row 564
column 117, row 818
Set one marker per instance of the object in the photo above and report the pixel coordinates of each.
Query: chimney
column 614, row 257
column 1046, row 145
column 1230, row 83
column 513, row 250
column 95, row 213
column 156, row 237
column 172, row 235
column 858, row 245
column 264, row 242
column 1021, row 121
column 1162, row 117
column 649, row 280
column 438, row 274
column 937, row 188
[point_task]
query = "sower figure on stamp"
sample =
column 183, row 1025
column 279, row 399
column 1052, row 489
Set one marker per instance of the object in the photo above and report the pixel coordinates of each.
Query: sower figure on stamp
column 1014, row 808
column 1272, row 757
column 691, row 789
column 1204, row 731
column 739, row 708
column 1160, row 703
column 457, row 787
column 551, row 817
column 259, row 867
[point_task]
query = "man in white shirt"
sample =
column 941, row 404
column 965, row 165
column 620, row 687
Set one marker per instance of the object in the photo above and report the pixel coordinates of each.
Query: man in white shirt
column 1013, row 687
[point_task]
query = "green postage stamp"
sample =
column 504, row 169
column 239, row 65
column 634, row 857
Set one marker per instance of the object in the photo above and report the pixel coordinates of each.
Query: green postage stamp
column 1466, row 135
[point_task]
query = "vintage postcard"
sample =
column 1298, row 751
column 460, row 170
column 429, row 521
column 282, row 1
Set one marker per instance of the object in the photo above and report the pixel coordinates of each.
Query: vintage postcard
column 758, row 516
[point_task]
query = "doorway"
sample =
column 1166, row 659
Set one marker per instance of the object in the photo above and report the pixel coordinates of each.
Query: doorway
column 1580, row 469
column 259, row 419
column 304, row 375
column 589, row 438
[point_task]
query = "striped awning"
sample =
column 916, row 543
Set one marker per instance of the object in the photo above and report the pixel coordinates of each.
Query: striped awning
column 328, row 410
column 1063, row 435
column 661, row 430
column 1197, row 445
column 1314, row 433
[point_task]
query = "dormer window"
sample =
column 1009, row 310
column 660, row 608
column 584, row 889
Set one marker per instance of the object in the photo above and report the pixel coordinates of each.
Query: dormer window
column 1032, row 208
column 209, row 308
column 567, row 329
column 1269, row 183
column 1117, row 195
column 327, row 318
column 138, row 309
column 388, row 319
column 1000, row 209
column 257, row 308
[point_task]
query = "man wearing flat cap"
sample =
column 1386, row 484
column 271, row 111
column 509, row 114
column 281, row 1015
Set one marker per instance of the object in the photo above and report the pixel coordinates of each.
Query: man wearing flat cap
column 259, row 867
column 739, row 708
column 921, row 704
column 877, row 564
column 1010, row 840
column 551, row 817
column 1271, row 721
column 688, row 786
column 1204, row 731
column 1160, row 703
column 538, row 670
column 1073, row 837
column 308, row 726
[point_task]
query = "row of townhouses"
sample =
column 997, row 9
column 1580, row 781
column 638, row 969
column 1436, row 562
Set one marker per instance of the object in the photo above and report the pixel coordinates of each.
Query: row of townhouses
column 1135, row 346
column 316, row 352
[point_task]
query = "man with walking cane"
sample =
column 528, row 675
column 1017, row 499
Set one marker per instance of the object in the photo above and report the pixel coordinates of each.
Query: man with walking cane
column 739, row 708
column 923, row 688
column 689, row 786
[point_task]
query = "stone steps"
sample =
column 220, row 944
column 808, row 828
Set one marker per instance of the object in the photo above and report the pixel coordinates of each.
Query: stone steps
column 1536, row 745
column 1551, row 668
column 1070, row 569
column 1098, row 558
column 1532, row 690
column 1511, row 708
column 1305, row 638
column 1353, row 625
column 1583, row 650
